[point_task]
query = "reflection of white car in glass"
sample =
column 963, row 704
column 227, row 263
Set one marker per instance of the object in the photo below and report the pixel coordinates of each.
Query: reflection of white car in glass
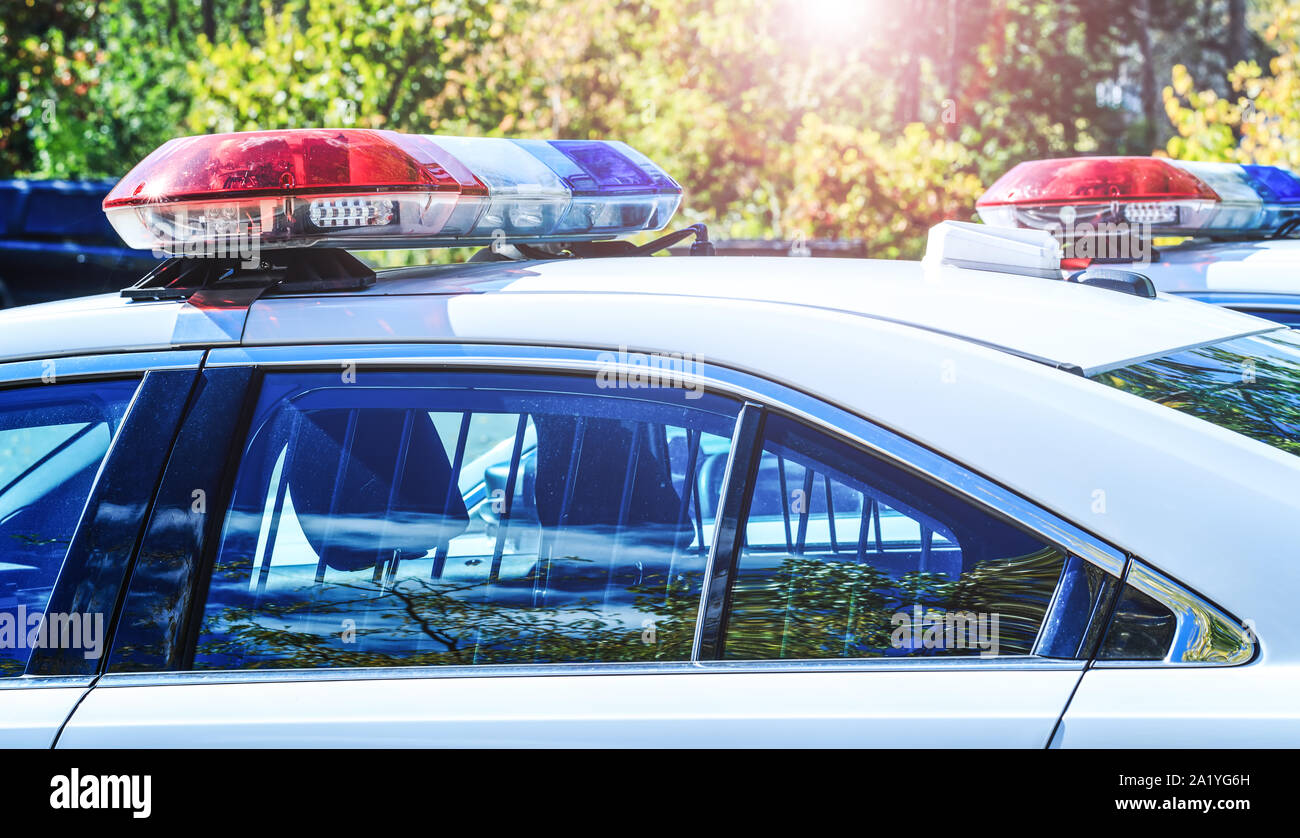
column 563, row 495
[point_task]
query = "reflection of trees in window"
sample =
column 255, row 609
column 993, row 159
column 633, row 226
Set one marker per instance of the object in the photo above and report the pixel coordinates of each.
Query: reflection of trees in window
column 1248, row 385
column 157, row 605
column 816, row 608
column 428, row 622
column 557, row 542
column 811, row 609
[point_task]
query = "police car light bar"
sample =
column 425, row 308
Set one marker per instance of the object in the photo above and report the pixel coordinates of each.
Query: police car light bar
column 364, row 188
column 1144, row 195
column 979, row 247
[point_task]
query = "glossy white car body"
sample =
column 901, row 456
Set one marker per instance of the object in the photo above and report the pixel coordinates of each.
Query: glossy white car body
column 935, row 355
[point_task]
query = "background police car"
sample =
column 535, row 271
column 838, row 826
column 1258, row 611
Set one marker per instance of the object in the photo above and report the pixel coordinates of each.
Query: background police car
column 1234, row 221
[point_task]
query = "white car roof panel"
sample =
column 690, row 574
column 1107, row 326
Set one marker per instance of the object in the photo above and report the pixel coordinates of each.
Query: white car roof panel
column 1070, row 323
column 1074, row 324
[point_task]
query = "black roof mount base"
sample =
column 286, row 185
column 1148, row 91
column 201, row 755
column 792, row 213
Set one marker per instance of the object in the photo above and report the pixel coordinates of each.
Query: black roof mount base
column 700, row 247
column 293, row 271
column 1115, row 279
column 601, row 249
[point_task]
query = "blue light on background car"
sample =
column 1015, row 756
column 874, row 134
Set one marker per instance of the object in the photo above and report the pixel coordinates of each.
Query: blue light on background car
column 1273, row 183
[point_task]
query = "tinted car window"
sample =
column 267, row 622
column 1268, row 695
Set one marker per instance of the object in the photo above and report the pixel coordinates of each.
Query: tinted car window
column 1142, row 629
column 1250, row 385
column 425, row 519
column 53, row 439
column 846, row 556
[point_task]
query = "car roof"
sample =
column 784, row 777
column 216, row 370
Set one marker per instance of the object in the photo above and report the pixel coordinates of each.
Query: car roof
column 1069, row 323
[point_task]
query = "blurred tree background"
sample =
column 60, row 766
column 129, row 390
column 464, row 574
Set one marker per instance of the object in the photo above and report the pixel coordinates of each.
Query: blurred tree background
column 865, row 119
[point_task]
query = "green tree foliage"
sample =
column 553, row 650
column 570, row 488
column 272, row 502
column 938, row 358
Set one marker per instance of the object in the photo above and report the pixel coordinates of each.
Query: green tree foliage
column 854, row 183
column 88, row 87
column 1259, row 121
column 868, row 119
column 362, row 63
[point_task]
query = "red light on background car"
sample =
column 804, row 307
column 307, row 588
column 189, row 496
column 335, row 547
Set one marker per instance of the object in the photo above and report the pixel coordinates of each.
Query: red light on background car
column 1148, row 194
column 1095, row 179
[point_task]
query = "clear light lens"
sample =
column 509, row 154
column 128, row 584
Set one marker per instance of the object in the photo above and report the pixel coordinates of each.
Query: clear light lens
column 1151, row 213
column 1239, row 207
column 351, row 212
column 527, row 196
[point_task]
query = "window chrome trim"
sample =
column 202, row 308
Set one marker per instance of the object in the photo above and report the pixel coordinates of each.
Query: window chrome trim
column 1193, row 644
column 727, row 381
column 82, row 367
column 28, row 682
column 535, row 670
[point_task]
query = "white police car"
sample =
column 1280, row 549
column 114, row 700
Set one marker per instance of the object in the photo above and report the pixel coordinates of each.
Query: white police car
column 1232, row 224
column 596, row 499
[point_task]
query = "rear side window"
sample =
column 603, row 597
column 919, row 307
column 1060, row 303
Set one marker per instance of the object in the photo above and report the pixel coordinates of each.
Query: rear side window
column 456, row 519
column 1141, row 629
column 846, row 556
column 53, row 439
column 1157, row 619
column 1250, row 385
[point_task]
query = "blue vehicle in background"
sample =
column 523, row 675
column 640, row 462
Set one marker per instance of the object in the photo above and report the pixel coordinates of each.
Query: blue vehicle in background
column 57, row 228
